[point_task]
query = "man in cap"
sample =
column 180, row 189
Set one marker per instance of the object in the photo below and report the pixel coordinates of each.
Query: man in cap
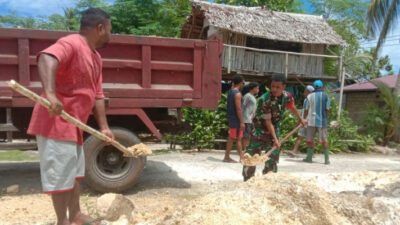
column 317, row 112
column 302, row 131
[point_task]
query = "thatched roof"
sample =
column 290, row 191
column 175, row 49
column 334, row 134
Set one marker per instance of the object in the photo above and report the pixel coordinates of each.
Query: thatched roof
column 264, row 23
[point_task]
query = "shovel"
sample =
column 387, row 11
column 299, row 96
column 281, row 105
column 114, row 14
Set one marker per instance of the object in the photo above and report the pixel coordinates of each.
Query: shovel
column 256, row 159
column 133, row 151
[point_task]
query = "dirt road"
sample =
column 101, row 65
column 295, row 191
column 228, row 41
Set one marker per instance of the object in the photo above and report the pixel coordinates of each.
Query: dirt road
column 174, row 179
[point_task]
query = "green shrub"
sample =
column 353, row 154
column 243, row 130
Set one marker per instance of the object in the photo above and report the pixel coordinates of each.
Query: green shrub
column 206, row 126
column 375, row 122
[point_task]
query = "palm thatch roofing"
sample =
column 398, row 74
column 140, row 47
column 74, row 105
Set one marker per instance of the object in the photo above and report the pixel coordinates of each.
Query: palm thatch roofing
column 260, row 22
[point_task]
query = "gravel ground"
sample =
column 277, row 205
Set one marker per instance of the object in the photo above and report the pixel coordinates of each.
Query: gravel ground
column 173, row 179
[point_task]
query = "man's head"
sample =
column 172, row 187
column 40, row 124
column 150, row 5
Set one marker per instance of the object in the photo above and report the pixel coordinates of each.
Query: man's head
column 278, row 84
column 96, row 25
column 318, row 84
column 238, row 81
column 308, row 90
column 253, row 88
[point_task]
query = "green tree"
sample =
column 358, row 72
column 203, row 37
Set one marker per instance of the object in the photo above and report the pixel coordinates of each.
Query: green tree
column 347, row 18
column 149, row 17
column 71, row 19
column 381, row 18
column 12, row 20
column 81, row 5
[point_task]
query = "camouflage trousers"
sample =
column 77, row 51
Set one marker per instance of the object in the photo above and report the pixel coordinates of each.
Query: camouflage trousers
column 270, row 164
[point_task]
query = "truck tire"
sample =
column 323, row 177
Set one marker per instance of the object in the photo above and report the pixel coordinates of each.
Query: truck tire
column 106, row 169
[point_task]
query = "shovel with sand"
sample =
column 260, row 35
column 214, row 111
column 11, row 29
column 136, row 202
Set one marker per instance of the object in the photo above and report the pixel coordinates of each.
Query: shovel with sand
column 133, row 151
column 257, row 159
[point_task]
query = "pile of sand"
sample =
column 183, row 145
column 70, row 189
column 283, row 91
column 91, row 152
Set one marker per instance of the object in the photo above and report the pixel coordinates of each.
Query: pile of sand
column 283, row 199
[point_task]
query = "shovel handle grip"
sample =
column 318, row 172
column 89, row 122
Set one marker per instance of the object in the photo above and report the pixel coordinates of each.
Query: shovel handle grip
column 284, row 139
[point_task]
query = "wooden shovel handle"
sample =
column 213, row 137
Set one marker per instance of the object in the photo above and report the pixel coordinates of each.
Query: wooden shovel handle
column 44, row 102
column 284, row 139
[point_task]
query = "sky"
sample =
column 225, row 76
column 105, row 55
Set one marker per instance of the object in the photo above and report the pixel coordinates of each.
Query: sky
column 36, row 8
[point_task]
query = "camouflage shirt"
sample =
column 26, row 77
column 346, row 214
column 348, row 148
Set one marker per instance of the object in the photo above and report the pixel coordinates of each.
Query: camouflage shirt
column 270, row 107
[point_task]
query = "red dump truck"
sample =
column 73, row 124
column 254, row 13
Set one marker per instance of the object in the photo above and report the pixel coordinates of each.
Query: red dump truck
column 144, row 80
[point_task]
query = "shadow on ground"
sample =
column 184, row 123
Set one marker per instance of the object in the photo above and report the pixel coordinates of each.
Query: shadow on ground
column 213, row 159
column 24, row 174
column 156, row 175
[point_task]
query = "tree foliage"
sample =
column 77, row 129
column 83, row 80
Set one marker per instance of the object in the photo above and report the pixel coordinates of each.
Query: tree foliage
column 347, row 18
column 166, row 17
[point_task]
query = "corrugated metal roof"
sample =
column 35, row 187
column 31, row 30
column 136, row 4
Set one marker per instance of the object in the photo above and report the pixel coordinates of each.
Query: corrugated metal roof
column 368, row 86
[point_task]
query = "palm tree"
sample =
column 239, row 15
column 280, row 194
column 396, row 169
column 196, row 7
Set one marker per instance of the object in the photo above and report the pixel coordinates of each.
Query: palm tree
column 382, row 16
column 70, row 19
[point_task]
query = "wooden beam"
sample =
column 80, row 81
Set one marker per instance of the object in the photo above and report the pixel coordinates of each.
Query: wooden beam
column 283, row 52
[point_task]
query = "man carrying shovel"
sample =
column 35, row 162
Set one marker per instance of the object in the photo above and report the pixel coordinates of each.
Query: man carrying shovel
column 269, row 114
column 71, row 75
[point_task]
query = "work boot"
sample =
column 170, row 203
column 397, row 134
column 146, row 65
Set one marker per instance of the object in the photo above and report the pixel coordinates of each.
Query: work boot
column 309, row 155
column 326, row 153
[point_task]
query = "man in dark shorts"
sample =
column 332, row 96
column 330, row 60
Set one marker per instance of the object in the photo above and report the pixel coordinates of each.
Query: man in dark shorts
column 249, row 110
column 235, row 118
column 267, row 122
column 71, row 74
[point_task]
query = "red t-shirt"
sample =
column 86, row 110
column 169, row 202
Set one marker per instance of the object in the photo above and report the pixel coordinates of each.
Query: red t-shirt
column 78, row 84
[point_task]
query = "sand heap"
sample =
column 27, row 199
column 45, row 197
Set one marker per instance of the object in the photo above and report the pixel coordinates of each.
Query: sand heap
column 281, row 199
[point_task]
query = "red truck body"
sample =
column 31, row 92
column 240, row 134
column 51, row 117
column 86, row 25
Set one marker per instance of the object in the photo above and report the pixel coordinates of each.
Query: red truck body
column 143, row 77
column 138, row 72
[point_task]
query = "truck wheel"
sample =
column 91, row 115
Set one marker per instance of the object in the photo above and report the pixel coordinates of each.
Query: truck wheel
column 106, row 169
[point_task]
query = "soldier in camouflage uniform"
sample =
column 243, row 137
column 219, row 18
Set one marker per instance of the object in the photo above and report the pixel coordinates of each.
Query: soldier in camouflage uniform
column 269, row 114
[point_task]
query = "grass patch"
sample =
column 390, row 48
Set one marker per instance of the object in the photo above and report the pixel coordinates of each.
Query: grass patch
column 16, row 155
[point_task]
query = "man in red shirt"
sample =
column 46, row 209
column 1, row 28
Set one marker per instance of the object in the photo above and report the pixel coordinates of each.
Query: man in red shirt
column 71, row 74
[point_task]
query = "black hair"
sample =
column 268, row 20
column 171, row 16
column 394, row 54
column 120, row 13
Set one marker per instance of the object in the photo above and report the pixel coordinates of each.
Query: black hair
column 279, row 78
column 252, row 85
column 92, row 17
column 237, row 79
column 247, row 88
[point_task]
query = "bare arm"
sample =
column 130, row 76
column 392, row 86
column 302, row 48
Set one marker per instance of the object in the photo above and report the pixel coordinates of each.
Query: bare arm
column 305, row 113
column 297, row 114
column 47, row 69
column 99, row 112
column 238, row 106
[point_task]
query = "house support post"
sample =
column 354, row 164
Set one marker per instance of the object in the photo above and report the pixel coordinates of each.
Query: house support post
column 286, row 64
column 229, row 59
column 342, row 75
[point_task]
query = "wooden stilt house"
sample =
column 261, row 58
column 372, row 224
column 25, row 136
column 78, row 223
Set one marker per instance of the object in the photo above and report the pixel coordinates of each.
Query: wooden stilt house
column 259, row 42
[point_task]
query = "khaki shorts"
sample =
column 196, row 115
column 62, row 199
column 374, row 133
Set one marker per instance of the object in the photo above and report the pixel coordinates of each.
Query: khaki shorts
column 302, row 132
column 61, row 162
column 322, row 133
